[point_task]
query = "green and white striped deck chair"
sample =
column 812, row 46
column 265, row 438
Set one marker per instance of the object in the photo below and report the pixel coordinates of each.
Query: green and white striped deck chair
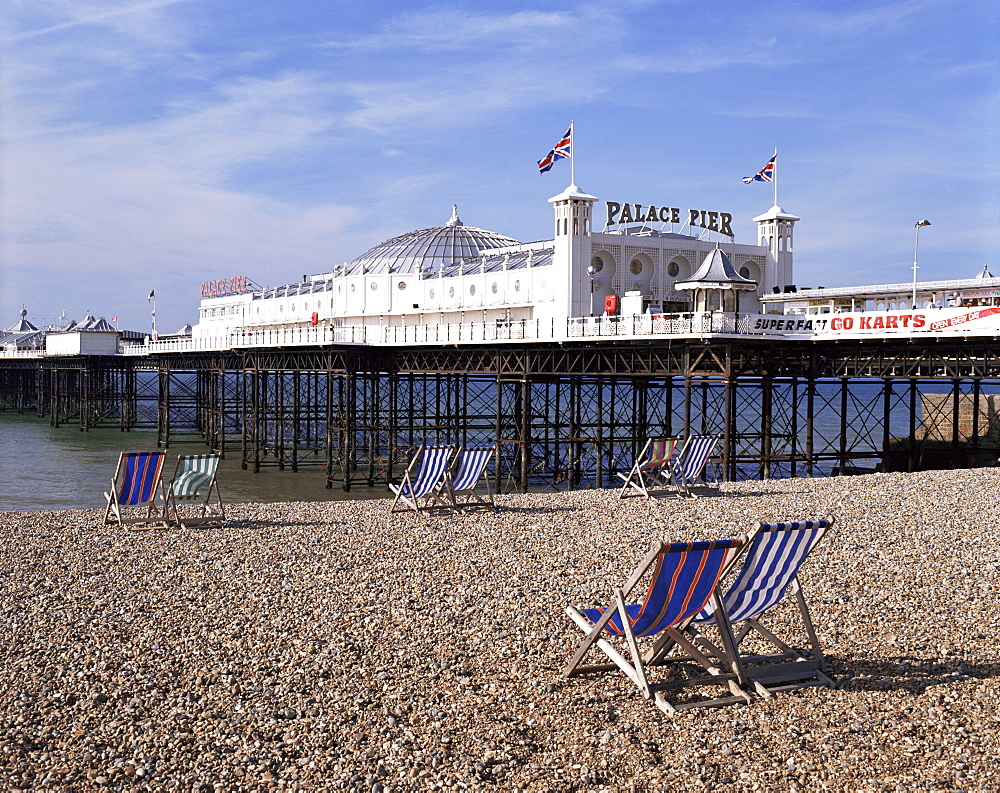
column 649, row 467
column 192, row 485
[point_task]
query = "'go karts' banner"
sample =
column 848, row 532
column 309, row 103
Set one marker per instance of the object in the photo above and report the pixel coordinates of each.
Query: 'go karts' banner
column 975, row 321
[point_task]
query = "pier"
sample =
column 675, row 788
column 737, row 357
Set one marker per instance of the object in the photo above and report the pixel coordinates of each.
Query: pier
column 566, row 414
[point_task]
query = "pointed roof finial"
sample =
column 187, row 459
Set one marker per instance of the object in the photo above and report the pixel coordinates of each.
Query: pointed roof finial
column 454, row 217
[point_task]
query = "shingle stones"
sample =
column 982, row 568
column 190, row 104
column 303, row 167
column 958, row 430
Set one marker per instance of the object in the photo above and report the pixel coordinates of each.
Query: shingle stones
column 333, row 646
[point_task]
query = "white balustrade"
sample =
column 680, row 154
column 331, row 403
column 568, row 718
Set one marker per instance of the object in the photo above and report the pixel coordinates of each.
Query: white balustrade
column 640, row 325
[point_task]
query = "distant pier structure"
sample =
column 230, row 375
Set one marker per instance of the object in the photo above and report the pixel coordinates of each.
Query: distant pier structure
column 567, row 353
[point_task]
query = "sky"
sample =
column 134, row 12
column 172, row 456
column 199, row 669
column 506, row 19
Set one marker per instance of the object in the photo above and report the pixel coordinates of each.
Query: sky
column 155, row 144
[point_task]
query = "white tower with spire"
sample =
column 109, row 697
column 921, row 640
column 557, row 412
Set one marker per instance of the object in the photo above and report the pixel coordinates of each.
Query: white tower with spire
column 774, row 230
column 571, row 255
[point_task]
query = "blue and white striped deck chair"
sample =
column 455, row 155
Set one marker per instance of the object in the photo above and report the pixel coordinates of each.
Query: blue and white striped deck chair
column 463, row 478
column 135, row 486
column 775, row 554
column 685, row 578
column 193, row 483
column 648, row 469
column 428, row 483
column 689, row 465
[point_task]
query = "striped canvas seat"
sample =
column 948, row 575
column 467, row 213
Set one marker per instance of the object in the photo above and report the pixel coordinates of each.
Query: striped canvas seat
column 775, row 554
column 648, row 469
column 684, row 579
column 194, row 482
column 424, row 482
column 690, row 464
column 135, row 487
column 464, row 477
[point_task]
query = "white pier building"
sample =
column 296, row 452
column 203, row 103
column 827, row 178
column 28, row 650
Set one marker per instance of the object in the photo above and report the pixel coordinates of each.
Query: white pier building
column 641, row 262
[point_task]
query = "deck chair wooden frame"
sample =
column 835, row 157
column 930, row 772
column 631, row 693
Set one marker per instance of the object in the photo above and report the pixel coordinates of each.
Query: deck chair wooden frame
column 688, row 467
column 648, row 469
column 135, row 498
column 193, row 483
column 684, row 578
column 769, row 573
column 425, row 482
column 463, row 477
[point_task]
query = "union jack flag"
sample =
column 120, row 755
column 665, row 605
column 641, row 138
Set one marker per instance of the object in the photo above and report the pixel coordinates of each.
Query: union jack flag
column 765, row 174
column 559, row 152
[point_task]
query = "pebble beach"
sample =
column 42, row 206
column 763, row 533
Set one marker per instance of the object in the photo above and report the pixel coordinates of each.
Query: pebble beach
column 333, row 646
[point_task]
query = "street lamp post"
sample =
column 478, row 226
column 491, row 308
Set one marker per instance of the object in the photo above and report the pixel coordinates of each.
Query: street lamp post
column 916, row 243
column 590, row 272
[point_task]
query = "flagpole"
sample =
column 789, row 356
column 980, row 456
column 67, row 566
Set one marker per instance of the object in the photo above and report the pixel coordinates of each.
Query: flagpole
column 154, row 317
column 572, row 153
column 775, row 176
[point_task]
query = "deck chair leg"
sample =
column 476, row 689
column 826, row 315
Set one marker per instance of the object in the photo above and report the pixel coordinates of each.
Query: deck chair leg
column 760, row 629
column 595, row 639
column 640, row 673
column 807, row 621
column 110, row 498
column 728, row 641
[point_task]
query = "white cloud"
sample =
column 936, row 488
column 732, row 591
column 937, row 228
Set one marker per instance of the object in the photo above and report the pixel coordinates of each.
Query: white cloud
column 452, row 29
column 136, row 20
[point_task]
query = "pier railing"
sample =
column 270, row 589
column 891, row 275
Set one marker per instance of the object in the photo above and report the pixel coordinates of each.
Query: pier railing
column 436, row 334
column 453, row 333
column 978, row 321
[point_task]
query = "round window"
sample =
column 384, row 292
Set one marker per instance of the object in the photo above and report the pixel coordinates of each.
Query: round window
column 517, row 286
column 635, row 267
column 472, row 289
column 597, row 264
column 745, row 272
column 374, row 286
column 494, row 288
column 401, row 285
column 672, row 269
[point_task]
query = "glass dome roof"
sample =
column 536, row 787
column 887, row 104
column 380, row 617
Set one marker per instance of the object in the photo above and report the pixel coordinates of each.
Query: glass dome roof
column 428, row 250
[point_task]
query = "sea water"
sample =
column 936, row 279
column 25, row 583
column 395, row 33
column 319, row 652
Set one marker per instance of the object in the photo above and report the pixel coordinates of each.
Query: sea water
column 45, row 467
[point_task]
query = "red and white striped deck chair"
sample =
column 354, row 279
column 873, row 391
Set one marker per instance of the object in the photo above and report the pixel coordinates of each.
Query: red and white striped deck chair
column 424, row 482
column 775, row 554
column 648, row 468
column 134, row 490
column 684, row 579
